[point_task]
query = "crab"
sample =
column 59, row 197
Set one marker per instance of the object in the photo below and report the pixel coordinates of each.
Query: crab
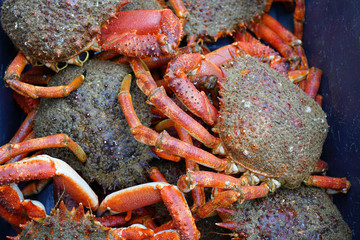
column 267, row 126
column 64, row 224
column 125, row 200
column 302, row 213
column 96, row 123
column 59, row 32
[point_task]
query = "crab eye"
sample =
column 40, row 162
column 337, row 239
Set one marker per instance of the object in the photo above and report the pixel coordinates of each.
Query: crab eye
column 83, row 57
column 61, row 65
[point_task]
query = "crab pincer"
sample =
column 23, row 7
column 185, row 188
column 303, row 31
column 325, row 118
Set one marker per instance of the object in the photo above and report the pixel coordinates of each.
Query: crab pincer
column 151, row 193
column 44, row 166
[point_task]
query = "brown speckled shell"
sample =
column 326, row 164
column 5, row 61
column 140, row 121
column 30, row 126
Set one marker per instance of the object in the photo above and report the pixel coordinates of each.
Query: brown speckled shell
column 302, row 213
column 268, row 124
column 93, row 118
column 55, row 31
column 212, row 19
column 64, row 224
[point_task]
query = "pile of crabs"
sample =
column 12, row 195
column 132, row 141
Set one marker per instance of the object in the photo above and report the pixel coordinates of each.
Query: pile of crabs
column 236, row 133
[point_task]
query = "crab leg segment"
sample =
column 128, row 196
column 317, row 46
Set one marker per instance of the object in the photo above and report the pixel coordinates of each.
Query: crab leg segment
column 16, row 210
column 8, row 151
column 32, row 91
column 43, row 166
column 164, row 141
column 16, row 67
column 158, row 98
column 198, row 193
column 142, row 33
column 332, row 183
column 196, row 101
column 150, row 193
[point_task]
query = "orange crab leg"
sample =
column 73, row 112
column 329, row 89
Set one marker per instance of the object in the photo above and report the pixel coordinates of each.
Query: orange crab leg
column 142, row 33
column 161, row 101
column 298, row 75
column 151, row 193
column 222, row 199
column 312, row 82
column 43, row 166
column 198, row 193
column 156, row 176
column 135, row 231
column 321, row 167
column 196, row 101
column 299, row 18
column 16, row 67
column 48, row 92
column 208, row 179
column 38, row 75
column 319, row 99
column 287, row 36
column 8, row 151
column 27, row 104
column 25, row 128
column 35, row 187
column 337, row 184
column 264, row 32
column 163, row 141
column 226, row 198
column 16, row 210
column 112, row 221
column 10, row 207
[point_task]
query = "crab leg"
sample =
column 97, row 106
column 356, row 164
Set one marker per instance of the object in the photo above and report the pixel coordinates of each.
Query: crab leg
column 8, row 151
column 43, row 166
column 287, row 36
column 163, row 141
column 25, row 128
column 264, row 32
column 161, row 101
column 332, row 183
column 198, row 193
column 16, row 67
column 35, row 187
column 142, row 33
column 196, row 101
column 32, row 91
column 312, row 82
column 14, row 209
column 151, row 193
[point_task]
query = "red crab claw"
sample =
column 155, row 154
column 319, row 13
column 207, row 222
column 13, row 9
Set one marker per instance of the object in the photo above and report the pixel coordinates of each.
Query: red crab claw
column 14, row 209
column 185, row 67
column 164, row 141
column 150, row 193
column 44, row 166
column 142, row 33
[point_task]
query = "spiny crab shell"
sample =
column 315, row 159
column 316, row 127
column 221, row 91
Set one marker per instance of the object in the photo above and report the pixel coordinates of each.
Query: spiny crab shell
column 92, row 117
column 302, row 213
column 210, row 20
column 64, row 224
column 267, row 124
column 55, row 31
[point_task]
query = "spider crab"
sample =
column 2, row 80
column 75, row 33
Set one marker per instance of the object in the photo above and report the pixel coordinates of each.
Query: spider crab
column 58, row 32
column 17, row 211
column 302, row 213
column 268, row 127
column 64, row 224
column 91, row 125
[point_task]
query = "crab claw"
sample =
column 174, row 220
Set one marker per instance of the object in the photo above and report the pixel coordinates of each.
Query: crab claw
column 142, row 33
column 150, row 193
column 14, row 209
column 44, row 166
